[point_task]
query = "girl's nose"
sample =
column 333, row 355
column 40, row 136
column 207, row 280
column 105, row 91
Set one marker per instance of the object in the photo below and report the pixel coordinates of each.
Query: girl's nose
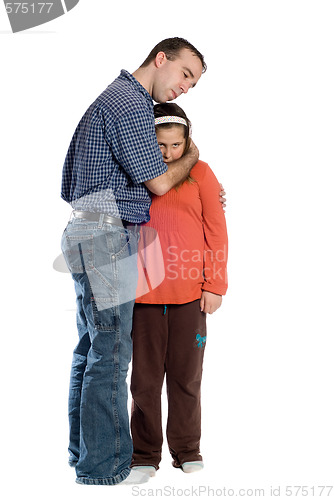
column 167, row 153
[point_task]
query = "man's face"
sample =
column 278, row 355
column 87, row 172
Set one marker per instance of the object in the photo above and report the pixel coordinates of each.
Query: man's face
column 174, row 78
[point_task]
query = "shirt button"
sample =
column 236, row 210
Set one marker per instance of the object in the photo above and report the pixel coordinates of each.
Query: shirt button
column 113, row 257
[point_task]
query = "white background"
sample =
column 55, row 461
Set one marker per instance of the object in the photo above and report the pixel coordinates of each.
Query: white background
column 263, row 119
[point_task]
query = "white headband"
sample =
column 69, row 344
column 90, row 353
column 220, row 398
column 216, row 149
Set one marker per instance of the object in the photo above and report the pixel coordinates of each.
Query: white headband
column 170, row 119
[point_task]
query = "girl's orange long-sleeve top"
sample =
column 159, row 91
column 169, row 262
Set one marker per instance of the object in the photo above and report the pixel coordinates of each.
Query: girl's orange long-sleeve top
column 183, row 248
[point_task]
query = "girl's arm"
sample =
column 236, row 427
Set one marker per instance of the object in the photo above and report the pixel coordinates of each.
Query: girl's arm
column 216, row 242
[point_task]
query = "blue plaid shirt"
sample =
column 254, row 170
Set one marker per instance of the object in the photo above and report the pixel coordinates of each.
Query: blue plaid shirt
column 113, row 151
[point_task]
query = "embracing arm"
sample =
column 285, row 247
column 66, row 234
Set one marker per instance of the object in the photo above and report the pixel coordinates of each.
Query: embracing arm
column 177, row 171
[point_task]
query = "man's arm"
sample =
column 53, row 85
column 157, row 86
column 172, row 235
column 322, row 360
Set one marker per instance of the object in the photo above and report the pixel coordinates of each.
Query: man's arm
column 177, row 172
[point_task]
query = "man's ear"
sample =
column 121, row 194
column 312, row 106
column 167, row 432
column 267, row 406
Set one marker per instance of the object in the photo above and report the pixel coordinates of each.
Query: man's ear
column 160, row 59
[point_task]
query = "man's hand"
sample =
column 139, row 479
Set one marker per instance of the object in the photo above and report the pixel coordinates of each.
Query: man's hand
column 210, row 302
column 193, row 152
column 221, row 197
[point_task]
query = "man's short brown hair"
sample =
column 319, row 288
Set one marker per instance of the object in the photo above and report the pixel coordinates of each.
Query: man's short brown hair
column 172, row 47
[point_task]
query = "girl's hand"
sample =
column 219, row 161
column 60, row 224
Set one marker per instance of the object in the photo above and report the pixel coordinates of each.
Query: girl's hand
column 221, row 197
column 210, row 302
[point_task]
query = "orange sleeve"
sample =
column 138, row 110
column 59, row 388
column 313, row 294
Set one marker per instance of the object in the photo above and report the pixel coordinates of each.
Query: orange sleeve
column 215, row 235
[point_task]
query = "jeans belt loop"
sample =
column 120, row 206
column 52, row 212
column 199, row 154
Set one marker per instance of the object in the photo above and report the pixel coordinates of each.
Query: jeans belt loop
column 101, row 221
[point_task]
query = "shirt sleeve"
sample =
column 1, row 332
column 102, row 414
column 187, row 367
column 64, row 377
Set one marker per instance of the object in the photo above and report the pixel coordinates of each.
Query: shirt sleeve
column 215, row 235
column 136, row 147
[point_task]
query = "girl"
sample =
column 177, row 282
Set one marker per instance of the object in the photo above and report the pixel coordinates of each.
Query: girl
column 169, row 322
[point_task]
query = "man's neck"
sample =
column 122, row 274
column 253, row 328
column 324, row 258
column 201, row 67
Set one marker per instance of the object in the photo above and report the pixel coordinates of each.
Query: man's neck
column 143, row 76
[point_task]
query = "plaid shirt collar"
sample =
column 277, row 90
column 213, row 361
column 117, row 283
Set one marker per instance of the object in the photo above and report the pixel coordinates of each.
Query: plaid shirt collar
column 136, row 84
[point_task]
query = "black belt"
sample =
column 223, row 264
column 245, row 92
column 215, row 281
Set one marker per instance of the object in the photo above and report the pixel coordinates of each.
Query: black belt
column 96, row 217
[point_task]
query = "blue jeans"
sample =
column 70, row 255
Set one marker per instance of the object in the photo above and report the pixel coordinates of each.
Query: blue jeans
column 103, row 261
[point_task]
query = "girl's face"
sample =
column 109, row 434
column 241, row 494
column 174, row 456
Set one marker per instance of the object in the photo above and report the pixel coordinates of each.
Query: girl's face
column 172, row 142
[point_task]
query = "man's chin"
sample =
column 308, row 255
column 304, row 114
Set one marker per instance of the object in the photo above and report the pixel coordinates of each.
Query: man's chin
column 162, row 100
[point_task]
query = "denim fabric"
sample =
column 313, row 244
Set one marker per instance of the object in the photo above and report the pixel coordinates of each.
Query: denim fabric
column 103, row 261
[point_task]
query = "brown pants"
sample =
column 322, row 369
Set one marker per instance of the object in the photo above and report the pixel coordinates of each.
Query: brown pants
column 167, row 340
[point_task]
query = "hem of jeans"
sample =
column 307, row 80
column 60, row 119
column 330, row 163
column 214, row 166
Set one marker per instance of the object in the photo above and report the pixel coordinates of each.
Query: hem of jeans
column 107, row 481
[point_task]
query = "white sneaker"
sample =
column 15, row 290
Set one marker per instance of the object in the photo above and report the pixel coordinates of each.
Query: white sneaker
column 147, row 469
column 136, row 477
column 192, row 466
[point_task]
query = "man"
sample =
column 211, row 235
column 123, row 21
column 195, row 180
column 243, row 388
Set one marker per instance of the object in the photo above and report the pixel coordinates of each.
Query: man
column 112, row 163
